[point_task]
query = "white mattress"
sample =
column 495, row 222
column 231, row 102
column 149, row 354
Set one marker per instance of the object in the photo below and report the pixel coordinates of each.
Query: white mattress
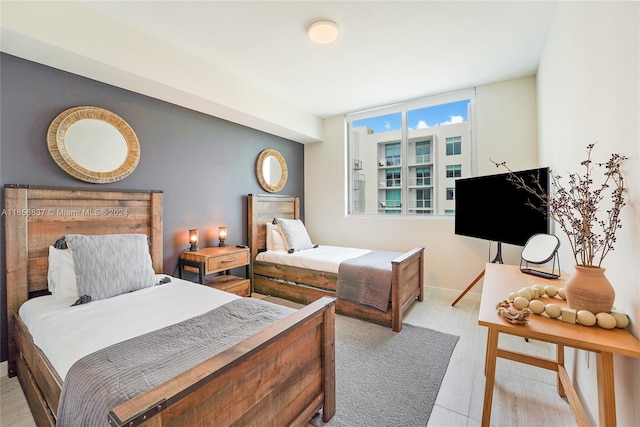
column 322, row 258
column 66, row 334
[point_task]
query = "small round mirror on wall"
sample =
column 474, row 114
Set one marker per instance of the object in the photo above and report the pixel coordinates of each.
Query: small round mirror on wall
column 271, row 170
column 93, row 144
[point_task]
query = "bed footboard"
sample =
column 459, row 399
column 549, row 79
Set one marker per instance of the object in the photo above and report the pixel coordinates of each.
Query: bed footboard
column 304, row 285
column 407, row 279
column 281, row 376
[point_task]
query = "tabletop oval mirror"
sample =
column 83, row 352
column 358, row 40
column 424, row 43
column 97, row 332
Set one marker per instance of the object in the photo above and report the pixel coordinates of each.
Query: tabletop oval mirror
column 271, row 170
column 93, row 145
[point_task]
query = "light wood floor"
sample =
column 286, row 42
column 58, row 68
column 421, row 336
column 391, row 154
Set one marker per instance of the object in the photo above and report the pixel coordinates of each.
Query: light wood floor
column 523, row 396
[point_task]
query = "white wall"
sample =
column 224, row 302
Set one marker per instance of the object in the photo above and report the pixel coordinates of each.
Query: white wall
column 39, row 34
column 506, row 131
column 588, row 91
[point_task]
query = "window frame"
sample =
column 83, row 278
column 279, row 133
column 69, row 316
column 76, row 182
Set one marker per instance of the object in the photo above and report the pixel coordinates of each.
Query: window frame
column 469, row 169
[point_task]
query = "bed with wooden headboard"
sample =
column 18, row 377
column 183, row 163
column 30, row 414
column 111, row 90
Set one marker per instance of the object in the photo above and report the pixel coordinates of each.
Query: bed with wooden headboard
column 305, row 285
column 261, row 392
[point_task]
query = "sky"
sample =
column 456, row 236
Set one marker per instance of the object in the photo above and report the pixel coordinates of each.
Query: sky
column 454, row 112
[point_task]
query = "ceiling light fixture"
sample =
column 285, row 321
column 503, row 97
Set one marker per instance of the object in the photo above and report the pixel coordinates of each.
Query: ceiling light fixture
column 323, row 31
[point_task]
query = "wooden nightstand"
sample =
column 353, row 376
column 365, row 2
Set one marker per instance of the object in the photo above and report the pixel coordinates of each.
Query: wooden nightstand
column 208, row 261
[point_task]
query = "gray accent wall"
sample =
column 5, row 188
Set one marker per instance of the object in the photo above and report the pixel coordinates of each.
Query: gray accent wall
column 205, row 166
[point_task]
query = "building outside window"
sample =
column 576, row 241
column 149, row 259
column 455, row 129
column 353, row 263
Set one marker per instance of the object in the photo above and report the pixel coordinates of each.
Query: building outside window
column 423, row 151
column 393, row 178
column 454, row 171
column 451, row 191
column 392, row 154
column 454, row 145
column 399, row 155
column 423, row 176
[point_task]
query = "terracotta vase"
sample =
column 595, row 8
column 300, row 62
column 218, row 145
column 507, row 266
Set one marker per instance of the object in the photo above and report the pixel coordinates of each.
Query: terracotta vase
column 589, row 289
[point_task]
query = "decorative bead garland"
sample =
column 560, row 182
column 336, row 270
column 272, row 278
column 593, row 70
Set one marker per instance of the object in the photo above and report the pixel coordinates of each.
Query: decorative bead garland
column 525, row 301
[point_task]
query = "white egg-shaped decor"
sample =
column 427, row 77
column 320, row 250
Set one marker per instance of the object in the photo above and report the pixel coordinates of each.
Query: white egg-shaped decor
column 605, row 320
column 539, row 289
column 586, row 318
column 562, row 294
column 536, row 306
column 512, row 296
column 622, row 320
column 521, row 302
column 553, row 310
column 526, row 293
column 551, row 291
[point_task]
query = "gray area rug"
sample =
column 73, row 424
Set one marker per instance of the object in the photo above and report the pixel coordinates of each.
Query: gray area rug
column 384, row 378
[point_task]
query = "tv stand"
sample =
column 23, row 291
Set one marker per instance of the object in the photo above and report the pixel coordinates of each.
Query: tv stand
column 498, row 257
column 496, row 260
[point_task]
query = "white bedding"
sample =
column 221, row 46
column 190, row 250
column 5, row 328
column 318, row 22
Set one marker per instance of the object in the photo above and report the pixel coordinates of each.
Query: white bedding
column 322, row 258
column 65, row 334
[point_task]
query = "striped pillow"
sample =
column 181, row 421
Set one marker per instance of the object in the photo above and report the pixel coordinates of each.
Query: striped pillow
column 111, row 264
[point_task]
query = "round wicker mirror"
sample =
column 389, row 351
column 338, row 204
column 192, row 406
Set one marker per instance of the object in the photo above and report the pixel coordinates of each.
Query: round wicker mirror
column 271, row 170
column 93, row 145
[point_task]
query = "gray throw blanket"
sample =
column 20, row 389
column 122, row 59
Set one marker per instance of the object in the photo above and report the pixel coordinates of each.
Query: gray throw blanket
column 102, row 380
column 367, row 279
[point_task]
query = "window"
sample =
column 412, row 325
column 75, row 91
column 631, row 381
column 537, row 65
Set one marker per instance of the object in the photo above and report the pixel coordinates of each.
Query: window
column 454, row 171
column 423, row 176
column 423, row 152
column 392, row 154
column 451, row 191
column 393, row 178
column 454, row 145
column 397, row 155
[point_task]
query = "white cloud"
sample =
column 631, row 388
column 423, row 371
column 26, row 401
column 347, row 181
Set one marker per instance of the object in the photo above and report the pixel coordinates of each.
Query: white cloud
column 422, row 124
column 453, row 119
column 387, row 125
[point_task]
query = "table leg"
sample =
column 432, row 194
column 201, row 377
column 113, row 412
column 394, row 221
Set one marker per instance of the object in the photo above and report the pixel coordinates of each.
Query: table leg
column 606, row 389
column 490, row 374
column 560, row 360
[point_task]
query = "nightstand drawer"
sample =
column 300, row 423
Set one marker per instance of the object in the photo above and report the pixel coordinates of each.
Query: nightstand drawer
column 235, row 285
column 227, row 261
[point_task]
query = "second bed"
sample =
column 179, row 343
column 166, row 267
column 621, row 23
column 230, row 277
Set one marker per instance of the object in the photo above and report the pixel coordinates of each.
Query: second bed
column 297, row 278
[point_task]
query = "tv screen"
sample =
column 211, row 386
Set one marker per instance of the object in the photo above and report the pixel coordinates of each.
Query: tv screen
column 493, row 208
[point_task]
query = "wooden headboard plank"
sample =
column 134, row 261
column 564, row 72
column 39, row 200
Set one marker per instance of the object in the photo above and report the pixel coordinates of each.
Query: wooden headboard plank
column 16, row 237
column 156, row 232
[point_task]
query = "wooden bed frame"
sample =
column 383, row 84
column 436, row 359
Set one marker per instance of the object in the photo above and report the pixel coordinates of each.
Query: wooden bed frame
column 281, row 376
column 305, row 285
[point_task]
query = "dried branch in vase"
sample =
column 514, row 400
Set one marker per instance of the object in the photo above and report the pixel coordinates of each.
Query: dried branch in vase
column 576, row 206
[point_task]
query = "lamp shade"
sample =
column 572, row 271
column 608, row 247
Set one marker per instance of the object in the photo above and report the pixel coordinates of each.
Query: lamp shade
column 222, row 235
column 194, row 237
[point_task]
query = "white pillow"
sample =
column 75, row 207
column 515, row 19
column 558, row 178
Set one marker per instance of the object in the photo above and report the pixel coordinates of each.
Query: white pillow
column 61, row 275
column 294, row 234
column 277, row 242
column 268, row 234
column 274, row 238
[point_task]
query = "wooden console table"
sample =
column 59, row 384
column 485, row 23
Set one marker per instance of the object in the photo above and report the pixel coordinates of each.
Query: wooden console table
column 499, row 281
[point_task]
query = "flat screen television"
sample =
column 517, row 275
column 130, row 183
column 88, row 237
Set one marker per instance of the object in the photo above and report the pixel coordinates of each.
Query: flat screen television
column 493, row 208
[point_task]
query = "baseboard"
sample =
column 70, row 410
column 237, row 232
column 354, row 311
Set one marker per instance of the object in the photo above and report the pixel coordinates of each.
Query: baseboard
column 4, row 369
column 452, row 293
